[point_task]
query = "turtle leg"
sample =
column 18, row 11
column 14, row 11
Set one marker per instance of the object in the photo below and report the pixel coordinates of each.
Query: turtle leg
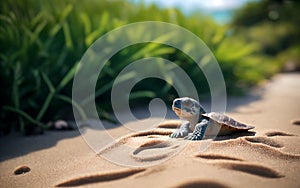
column 182, row 131
column 199, row 131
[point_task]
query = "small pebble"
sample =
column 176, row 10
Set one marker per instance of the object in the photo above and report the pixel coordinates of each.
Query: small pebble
column 21, row 170
column 295, row 121
column 61, row 124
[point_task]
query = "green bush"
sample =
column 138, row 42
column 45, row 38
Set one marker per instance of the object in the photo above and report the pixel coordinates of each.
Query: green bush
column 43, row 41
column 274, row 25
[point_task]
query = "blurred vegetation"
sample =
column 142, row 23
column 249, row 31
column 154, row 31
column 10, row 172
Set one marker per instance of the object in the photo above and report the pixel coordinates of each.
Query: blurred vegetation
column 274, row 26
column 43, row 41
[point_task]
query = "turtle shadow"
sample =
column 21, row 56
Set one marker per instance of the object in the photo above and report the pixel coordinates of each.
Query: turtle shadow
column 235, row 136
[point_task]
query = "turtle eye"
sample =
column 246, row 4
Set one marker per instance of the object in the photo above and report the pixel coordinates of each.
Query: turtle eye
column 176, row 102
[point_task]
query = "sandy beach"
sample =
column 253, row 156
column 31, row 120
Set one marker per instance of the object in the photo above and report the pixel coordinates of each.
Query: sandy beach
column 267, row 156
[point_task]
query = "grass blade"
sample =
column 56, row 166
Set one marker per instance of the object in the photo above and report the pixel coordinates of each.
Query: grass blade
column 69, row 76
column 48, row 99
column 25, row 115
column 142, row 94
column 66, row 12
column 86, row 23
column 48, row 82
column 67, row 34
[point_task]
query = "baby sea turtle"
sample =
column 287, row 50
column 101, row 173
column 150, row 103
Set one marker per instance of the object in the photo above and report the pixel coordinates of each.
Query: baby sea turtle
column 196, row 120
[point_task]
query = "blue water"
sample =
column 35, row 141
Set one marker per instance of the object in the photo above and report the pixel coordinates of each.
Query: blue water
column 219, row 14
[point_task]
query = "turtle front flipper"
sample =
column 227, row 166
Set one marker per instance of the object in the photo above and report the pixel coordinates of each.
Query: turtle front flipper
column 199, row 131
column 182, row 131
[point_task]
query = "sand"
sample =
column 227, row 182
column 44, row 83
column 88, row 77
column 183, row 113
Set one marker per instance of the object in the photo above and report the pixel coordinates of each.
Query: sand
column 267, row 156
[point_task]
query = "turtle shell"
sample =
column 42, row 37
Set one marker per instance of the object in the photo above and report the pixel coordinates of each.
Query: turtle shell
column 227, row 124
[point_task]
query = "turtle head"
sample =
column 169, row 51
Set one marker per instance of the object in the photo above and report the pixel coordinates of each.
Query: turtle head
column 187, row 108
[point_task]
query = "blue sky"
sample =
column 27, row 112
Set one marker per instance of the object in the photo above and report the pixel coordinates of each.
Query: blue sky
column 219, row 9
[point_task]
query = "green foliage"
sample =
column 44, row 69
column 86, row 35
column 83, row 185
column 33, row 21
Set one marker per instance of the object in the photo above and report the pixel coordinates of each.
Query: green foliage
column 43, row 41
column 274, row 25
